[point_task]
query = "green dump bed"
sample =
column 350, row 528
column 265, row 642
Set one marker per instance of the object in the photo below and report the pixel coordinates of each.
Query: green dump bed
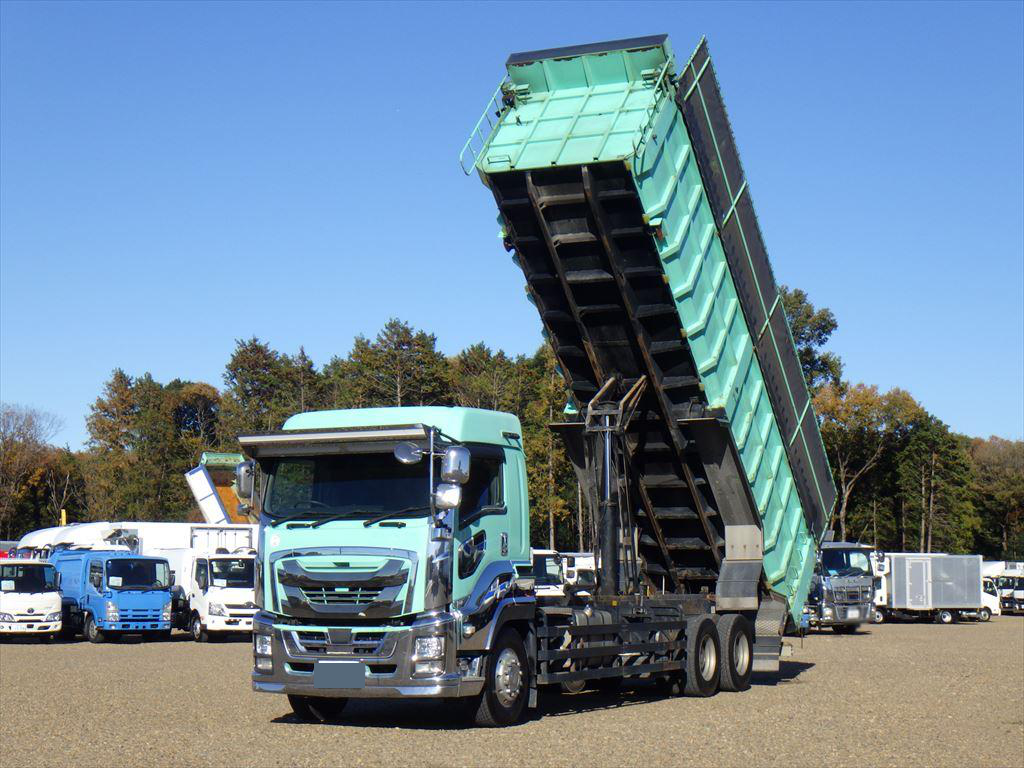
column 621, row 194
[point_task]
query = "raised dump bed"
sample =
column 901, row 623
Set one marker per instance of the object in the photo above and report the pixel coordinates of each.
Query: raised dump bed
column 601, row 197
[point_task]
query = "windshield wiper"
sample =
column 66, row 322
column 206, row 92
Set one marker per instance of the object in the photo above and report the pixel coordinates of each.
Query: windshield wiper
column 278, row 519
column 385, row 515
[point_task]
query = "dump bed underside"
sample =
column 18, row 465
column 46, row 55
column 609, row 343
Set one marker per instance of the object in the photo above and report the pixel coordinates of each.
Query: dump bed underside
column 625, row 262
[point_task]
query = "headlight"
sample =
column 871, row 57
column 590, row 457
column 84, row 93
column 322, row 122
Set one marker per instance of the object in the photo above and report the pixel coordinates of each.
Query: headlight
column 6, row 617
column 216, row 609
column 429, row 648
column 262, row 645
column 52, row 616
column 165, row 614
column 112, row 612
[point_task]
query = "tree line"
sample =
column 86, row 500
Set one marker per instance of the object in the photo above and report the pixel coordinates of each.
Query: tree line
column 906, row 481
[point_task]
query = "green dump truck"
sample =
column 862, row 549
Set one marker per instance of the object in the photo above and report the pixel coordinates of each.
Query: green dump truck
column 394, row 557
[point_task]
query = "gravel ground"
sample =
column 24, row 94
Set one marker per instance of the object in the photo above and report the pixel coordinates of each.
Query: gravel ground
column 901, row 694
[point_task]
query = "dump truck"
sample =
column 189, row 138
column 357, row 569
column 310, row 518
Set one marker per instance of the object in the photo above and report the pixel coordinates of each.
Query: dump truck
column 394, row 557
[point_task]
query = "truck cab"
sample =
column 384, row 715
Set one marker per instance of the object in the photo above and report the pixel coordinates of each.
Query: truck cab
column 842, row 591
column 385, row 555
column 219, row 594
column 107, row 593
column 29, row 599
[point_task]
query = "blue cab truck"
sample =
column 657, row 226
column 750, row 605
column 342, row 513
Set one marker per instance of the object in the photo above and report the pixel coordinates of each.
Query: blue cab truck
column 109, row 593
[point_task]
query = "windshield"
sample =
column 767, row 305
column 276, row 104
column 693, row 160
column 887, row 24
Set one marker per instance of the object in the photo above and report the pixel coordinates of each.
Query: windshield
column 546, row 570
column 28, row 578
column 358, row 484
column 845, row 562
column 234, row 572
column 130, row 573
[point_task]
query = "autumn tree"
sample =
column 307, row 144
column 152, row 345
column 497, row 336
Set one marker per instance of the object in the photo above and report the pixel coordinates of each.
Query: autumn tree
column 999, row 491
column 24, row 444
column 402, row 366
column 857, row 422
column 812, row 327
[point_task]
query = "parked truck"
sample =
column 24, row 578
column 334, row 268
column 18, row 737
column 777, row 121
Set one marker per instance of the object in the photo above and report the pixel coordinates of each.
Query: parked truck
column 394, row 557
column 29, row 599
column 213, row 572
column 1010, row 584
column 108, row 593
column 841, row 594
column 933, row 585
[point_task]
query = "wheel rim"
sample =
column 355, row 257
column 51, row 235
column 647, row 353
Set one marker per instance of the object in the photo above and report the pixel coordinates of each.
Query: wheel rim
column 508, row 677
column 90, row 629
column 741, row 654
column 708, row 658
column 196, row 629
column 985, row 614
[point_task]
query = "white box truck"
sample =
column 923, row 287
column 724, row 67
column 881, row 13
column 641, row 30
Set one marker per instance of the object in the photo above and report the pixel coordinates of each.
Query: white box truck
column 940, row 586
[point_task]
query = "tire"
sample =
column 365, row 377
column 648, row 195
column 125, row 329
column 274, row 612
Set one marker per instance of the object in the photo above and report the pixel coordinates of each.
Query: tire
column 316, row 709
column 944, row 616
column 93, row 633
column 575, row 686
column 199, row 634
column 877, row 616
column 736, row 640
column 845, row 629
column 507, row 682
column 702, row 658
column 984, row 614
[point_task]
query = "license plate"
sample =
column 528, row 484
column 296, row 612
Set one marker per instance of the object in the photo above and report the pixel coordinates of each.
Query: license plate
column 853, row 613
column 339, row 674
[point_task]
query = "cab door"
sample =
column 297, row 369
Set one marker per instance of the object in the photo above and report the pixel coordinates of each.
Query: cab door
column 482, row 520
column 200, row 585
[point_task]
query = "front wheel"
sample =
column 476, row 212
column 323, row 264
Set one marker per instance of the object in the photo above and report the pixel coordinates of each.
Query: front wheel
column 199, row 633
column 506, row 684
column 93, row 633
column 315, row 709
column 984, row 614
column 877, row 616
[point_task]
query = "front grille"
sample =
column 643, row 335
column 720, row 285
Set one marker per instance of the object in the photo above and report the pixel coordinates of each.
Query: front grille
column 139, row 614
column 240, row 610
column 340, row 595
column 362, row 643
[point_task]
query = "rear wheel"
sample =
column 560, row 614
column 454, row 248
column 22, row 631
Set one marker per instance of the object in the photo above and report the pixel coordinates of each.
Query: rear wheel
column 315, row 709
column 702, row 656
column 93, row 633
column 736, row 640
column 506, row 683
column 945, row 616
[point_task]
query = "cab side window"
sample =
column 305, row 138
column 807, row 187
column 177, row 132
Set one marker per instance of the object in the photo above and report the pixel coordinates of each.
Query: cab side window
column 483, row 493
column 96, row 574
column 202, row 574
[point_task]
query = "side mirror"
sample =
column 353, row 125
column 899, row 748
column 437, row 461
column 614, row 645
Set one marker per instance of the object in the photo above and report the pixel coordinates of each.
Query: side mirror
column 448, row 496
column 56, row 579
column 408, row 453
column 174, row 578
column 455, row 465
column 244, row 474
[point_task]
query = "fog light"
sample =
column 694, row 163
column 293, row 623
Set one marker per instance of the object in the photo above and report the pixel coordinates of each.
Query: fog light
column 266, row 666
column 429, row 648
column 428, row 668
column 262, row 645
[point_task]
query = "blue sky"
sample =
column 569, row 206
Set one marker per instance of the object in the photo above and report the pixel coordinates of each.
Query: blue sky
column 175, row 177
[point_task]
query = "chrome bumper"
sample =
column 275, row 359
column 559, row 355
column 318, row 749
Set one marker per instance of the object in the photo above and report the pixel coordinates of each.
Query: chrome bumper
column 390, row 672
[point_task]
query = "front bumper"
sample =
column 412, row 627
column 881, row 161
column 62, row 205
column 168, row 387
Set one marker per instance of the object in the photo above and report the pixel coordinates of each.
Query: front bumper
column 389, row 670
column 133, row 626
column 843, row 615
column 229, row 623
column 29, row 627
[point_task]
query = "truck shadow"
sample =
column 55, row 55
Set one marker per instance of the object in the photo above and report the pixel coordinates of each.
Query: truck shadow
column 788, row 672
column 442, row 716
